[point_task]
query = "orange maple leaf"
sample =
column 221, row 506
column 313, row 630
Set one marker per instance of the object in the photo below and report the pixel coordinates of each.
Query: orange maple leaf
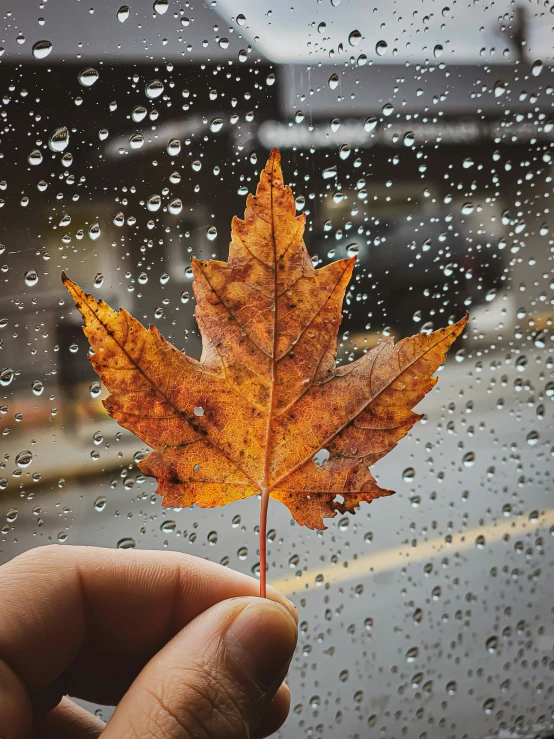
column 266, row 395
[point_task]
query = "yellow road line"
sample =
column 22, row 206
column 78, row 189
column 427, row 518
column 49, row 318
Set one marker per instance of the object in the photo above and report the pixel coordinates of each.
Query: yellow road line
column 391, row 559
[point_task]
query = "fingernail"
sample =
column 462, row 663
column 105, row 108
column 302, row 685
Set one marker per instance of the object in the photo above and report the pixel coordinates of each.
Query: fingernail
column 262, row 639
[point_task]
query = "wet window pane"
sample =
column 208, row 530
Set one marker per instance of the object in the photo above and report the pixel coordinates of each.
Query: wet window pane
column 417, row 136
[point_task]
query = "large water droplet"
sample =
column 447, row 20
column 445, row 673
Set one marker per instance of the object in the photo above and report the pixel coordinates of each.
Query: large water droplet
column 370, row 123
column 216, row 125
column 175, row 206
column 127, row 543
column 139, row 113
column 94, row 231
column 100, row 503
column 437, row 51
column 153, row 203
column 35, row 157
column 42, row 49
column 6, row 376
column 468, row 460
column 123, row 13
column 212, row 233
column 31, row 277
column 24, row 459
column 333, row 81
column 154, row 89
column 536, row 68
column 499, row 89
column 381, row 48
column 174, row 147
column 161, row 6
column 59, row 139
column 354, row 38
column 87, row 77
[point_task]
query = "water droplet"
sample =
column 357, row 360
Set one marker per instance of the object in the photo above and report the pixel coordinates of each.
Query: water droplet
column 175, row 206
column 437, row 51
column 24, row 459
column 352, row 250
column 127, row 543
column 35, row 157
column 451, row 687
column 174, row 147
column 354, row 38
column 123, row 13
column 94, row 231
column 223, row 43
column 161, row 6
column 11, row 514
column 196, row 165
column 42, row 49
column 412, row 654
column 136, row 141
column 408, row 474
column 344, row 675
column 185, row 297
column 168, row 527
column 119, row 219
column 409, row 138
column 98, row 279
column 87, row 77
column 37, row 387
column 370, row 123
column 154, row 203
column 537, row 68
column 31, row 277
column 100, row 503
column 521, row 363
column 499, row 89
column 212, row 538
column 329, row 173
column 387, row 109
column 333, row 81
column 242, row 553
column 488, row 705
column 154, row 89
column 299, row 116
column 468, row 460
column 381, row 48
column 532, row 438
column 139, row 113
column 344, row 151
column 467, row 208
column 216, row 125
column 59, row 139
column 211, row 233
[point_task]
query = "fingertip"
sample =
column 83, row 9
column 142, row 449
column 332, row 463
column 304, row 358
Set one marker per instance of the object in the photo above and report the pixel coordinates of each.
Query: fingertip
column 276, row 714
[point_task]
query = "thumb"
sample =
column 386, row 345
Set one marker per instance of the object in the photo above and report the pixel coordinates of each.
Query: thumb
column 215, row 679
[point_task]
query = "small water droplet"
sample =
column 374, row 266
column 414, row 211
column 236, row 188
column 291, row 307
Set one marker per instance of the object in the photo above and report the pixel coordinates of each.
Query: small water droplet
column 196, row 165
column 409, row 138
column 409, row 474
column 98, row 279
column 532, row 438
column 168, row 527
column 37, row 387
column 242, row 553
column 211, row 233
column 412, row 654
column 467, row 208
column 94, row 231
column 123, row 13
column 35, row 157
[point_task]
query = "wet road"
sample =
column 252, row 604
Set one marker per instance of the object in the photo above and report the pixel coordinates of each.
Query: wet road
column 429, row 614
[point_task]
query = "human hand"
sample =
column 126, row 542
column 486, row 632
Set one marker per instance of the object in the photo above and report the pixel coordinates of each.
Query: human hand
column 151, row 632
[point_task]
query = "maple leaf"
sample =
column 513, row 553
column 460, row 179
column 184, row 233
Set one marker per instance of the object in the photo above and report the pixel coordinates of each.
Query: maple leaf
column 266, row 395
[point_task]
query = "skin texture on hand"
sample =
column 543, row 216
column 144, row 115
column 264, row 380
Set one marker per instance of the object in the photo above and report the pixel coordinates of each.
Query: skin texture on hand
column 182, row 646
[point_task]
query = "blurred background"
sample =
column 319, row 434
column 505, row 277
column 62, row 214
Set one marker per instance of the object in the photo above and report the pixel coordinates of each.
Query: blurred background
column 416, row 135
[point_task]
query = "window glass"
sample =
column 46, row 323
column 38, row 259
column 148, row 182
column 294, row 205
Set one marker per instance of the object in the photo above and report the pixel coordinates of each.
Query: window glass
column 417, row 136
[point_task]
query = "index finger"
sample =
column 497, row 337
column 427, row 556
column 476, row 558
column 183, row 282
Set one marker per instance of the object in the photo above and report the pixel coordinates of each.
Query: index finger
column 58, row 602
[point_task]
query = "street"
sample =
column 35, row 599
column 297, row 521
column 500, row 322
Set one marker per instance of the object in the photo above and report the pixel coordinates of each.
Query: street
column 428, row 614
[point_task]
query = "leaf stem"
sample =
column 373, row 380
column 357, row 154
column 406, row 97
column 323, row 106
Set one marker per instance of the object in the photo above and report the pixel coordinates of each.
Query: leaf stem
column 263, row 542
